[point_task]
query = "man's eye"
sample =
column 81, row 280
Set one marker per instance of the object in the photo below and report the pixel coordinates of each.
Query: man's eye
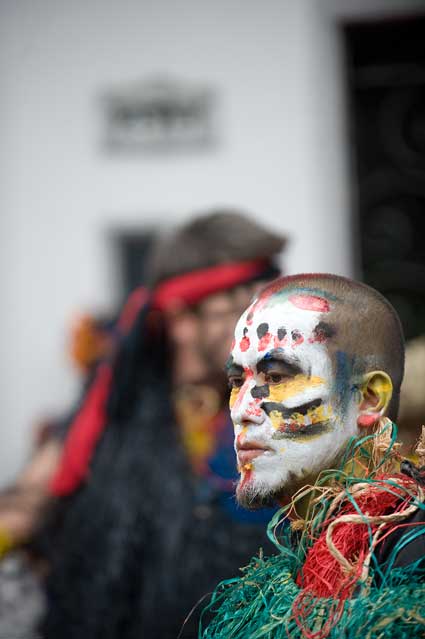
column 274, row 378
column 236, row 382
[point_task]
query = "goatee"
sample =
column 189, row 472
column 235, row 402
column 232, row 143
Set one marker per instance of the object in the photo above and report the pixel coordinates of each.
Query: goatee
column 251, row 497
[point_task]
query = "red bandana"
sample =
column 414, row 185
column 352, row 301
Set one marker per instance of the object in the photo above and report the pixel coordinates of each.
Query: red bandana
column 191, row 288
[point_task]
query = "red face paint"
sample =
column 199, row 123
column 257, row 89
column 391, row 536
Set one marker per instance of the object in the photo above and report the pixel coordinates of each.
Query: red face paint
column 264, row 342
column 297, row 338
column 247, row 474
column 248, row 376
column 279, row 343
column 310, row 303
column 253, row 409
column 322, row 332
column 244, row 343
column 319, row 337
column 239, row 439
column 281, row 339
column 289, row 427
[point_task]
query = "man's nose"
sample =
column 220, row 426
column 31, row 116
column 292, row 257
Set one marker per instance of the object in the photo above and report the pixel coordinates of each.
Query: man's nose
column 247, row 410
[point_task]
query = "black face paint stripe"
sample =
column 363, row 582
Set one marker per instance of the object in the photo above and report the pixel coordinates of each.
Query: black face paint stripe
column 259, row 392
column 303, row 432
column 286, row 413
column 272, row 359
column 262, row 329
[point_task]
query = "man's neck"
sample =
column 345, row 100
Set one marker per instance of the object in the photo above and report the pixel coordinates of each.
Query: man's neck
column 360, row 466
column 299, row 500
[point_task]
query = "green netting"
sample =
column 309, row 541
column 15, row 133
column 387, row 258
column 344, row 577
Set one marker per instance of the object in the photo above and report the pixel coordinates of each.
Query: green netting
column 260, row 604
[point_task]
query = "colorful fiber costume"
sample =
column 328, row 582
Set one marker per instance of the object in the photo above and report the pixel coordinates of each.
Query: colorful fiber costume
column 316, row 364
column 146, row 522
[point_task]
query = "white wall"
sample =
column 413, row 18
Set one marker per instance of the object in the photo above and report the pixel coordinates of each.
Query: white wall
column 277, row 67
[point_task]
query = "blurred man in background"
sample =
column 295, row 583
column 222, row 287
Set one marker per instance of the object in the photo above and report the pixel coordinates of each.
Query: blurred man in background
column 24, row 501
column 145, row 522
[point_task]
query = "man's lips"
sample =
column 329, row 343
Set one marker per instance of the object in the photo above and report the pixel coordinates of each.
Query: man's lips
column 249, row 450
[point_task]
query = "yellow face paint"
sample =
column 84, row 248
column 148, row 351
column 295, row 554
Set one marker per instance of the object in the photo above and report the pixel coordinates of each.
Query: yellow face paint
column 244, row 467
column 233, row 397
column 275, row 418
column 285, row 390
column 314, row 416
column 298, row 384
column 319, row 414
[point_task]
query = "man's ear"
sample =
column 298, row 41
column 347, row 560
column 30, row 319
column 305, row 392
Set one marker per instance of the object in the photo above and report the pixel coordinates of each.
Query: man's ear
column 376, row 392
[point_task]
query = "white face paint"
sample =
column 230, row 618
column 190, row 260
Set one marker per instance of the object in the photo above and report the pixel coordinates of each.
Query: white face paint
column 285, row 406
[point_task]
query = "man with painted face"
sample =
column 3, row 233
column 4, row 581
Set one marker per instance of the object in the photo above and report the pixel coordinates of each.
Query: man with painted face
column 145, row 522
column 315, row 372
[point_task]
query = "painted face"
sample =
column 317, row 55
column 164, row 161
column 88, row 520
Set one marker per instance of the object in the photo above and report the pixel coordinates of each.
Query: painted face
column 286, row 401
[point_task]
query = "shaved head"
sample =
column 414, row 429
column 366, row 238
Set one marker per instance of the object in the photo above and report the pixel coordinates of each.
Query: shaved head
column 356, row 321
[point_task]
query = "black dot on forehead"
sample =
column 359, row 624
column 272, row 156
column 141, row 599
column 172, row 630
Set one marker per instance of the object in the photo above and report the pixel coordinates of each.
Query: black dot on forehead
column 262, row 329
column 325, row 329
column 281, row 332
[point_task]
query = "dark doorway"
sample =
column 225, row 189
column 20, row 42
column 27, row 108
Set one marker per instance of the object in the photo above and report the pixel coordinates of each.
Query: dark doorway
column 386, row 80
column 132, row 249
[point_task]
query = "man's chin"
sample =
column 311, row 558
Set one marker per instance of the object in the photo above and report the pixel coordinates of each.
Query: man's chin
column 251, row 497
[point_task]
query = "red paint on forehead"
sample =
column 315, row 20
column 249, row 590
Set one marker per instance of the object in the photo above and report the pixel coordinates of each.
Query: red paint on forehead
column 264, row 342
column 310, row 303
column 280, row 343
column 297, row 338
column 244, row 343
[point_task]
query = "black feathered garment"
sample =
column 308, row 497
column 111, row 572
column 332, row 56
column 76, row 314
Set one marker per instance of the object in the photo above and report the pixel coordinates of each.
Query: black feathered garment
column 132, row 552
